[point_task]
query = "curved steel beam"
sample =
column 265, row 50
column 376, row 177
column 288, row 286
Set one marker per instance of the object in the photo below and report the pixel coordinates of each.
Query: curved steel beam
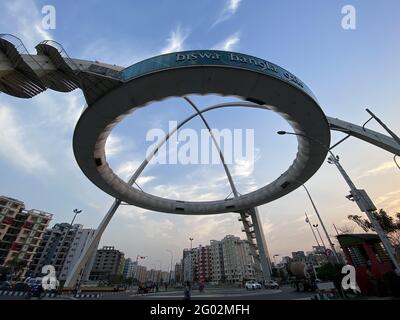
column 377, row 139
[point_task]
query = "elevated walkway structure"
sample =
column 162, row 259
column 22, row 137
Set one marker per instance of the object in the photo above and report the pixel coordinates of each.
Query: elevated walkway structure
column 26, row 75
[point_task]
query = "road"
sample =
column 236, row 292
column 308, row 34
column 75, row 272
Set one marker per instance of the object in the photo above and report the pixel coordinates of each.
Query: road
column 285, row 293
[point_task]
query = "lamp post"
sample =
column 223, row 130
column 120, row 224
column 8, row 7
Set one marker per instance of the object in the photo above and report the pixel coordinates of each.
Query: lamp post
column 76, row 212
column 322, row 241
column 361, row 198
column 312, row 229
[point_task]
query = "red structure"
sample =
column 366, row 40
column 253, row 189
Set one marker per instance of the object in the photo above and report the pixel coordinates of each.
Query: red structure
column 370, row 259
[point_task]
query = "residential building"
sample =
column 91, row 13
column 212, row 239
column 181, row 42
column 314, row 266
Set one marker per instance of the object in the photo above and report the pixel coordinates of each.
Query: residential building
column 53, row 249
column 129, row 268
column 178, row 272
column 228, row 260
column 217, row 258
column 81, row 239
column 21, row 232
column 238, row 261
column 203, row 263
column 108, row 263
column 141, row 273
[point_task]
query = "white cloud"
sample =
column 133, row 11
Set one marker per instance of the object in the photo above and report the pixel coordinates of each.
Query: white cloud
column 229, row 43
column 114, row 145
column 243, row 168
column 382, row 168
column 25, row 18
column 15, row 144
column 231, row 7
column 176, row 40
column 126, row 169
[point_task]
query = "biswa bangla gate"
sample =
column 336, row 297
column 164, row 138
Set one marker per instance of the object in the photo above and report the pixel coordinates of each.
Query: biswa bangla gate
column 112, row 92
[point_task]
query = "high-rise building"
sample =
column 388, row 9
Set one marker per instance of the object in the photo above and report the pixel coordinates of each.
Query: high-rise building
column 178, row 272
column 203, row 263
column 21, row 232
column 54, row 248
column 141, row 273
column 129, row 268
column 228, row 260
column 81, row 239
column 188, row 267
column 238, row 261
column 108, row 263
column 217, row 258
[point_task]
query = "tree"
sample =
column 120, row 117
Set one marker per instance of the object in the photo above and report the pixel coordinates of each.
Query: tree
column 389, row 224
column 346, row 229
column 16, row 267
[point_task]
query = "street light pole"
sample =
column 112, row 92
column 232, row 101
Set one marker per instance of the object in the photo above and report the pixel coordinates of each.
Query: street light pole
column 322, row 224
column 312, row 229
column 361, row 198
column 322, row 241
column 76, row 211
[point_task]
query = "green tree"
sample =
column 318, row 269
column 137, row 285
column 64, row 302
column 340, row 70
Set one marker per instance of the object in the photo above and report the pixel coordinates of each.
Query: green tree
column 16, row 267
column 389, row 224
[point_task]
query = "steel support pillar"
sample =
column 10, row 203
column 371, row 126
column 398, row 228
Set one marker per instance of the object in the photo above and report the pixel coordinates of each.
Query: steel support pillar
column 261, row 244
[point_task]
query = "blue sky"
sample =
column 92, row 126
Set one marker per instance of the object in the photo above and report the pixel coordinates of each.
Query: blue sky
column 347, row 70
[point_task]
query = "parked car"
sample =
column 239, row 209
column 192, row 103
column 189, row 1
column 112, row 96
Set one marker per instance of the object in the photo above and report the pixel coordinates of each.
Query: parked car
column 252, row 285
column 271, row 284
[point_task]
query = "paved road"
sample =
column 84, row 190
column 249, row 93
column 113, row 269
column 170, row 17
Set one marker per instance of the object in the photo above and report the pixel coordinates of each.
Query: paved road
column 285, row 293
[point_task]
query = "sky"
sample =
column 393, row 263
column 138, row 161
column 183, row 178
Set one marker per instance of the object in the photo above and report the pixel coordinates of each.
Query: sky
column 347, row 70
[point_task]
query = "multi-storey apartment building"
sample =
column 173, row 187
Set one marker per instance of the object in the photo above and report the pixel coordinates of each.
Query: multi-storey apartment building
column 141, row 273
column 81, row 239
column 108, row 263
column 217, row 259
column 228, row 260
column 238, row 261
column 21, row 232
column 129, row 268
column 203, row 263
column 54, row 248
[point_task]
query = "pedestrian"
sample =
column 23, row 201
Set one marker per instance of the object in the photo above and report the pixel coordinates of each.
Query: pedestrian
column 187, row 293
column 166, row 286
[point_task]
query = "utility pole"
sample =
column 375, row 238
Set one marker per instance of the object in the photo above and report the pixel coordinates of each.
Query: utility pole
column 366, row 205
